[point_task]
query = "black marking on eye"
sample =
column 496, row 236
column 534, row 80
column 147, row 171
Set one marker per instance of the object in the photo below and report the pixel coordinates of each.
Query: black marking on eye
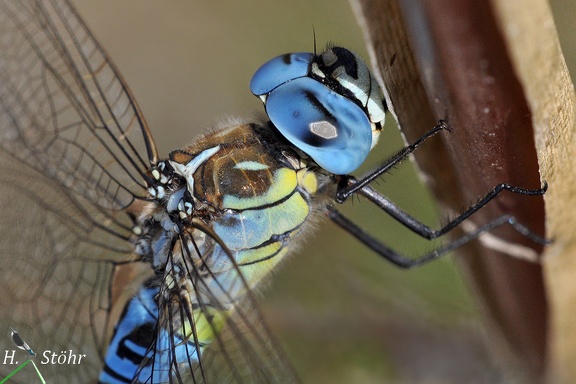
column 287, row 59
column 311, row 97
column 310, row 137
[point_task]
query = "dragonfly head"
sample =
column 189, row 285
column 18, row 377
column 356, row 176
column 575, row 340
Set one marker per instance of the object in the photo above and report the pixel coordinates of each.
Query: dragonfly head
column 328, row 105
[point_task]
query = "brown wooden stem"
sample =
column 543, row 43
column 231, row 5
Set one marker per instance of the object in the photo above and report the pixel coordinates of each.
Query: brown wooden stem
column 470, row 63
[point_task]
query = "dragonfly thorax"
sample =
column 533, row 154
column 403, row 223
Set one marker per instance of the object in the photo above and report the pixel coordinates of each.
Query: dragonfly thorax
column 255, row 201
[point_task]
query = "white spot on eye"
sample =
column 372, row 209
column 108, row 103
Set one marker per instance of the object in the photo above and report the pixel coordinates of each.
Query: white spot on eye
column 324, row 129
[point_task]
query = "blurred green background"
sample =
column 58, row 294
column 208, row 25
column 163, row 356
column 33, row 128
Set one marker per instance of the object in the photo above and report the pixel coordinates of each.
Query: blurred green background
column 343, row 314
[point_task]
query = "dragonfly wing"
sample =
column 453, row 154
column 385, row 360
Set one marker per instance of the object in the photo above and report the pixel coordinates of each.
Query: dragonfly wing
column 53, row 288
column 231, row 334
column 71, row 166
column 75, row 154
column 257, row 357
column 65, row 110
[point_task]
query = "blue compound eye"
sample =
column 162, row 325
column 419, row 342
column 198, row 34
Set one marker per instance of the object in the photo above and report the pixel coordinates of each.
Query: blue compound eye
column 328, row 127
column 329, row 106
column 280, row 70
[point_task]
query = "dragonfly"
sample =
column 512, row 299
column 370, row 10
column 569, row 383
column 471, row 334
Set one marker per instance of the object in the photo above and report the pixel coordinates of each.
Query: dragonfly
column 149, row 265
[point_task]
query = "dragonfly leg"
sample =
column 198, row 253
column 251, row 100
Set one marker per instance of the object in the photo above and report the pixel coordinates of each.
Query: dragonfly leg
column 407, row 262
column 429, row 233
column 363, row 188
column 355, row 186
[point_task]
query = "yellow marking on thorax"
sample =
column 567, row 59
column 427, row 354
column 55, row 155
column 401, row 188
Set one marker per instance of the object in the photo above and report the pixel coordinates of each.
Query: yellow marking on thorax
column 307, row 180
column 284, row 183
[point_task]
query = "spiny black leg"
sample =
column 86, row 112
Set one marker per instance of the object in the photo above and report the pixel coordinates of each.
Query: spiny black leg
column 345, row 193
column 362, row 187
column 429, row 233
column 406, row 262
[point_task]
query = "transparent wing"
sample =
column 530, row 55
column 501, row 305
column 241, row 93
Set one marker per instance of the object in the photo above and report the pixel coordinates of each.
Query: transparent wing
column 65, row 110
column 71, row 165
column 74, row 160
column 246, row 341
column 242, row 350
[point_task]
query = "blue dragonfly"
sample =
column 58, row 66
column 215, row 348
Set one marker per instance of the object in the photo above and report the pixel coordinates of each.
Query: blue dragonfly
column 146, row 264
